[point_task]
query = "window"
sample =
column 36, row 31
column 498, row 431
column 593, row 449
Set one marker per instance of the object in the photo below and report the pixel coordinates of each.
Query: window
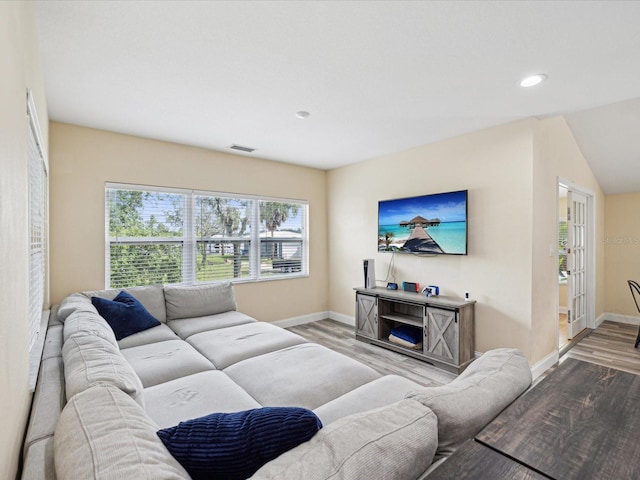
column 562, row 251
column 169, row 236
column 38, row 224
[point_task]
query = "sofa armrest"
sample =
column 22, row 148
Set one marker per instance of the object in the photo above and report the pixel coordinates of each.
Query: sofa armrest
column 476, row 397
column 396, row 442
column 102, row 433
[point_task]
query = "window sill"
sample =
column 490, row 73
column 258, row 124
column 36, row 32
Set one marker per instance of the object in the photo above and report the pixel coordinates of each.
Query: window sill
column 35, row 355
column 267, row 278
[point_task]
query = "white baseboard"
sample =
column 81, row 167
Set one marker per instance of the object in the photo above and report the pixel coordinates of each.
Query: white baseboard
column 616, row 317
column 564, row 310
column 601, row 319
column 294, row 321
column 342, row 318
column 314, row 317
column 547, row 362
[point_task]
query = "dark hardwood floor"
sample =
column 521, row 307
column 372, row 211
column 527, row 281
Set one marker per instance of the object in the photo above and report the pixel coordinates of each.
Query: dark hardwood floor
column 610, row 345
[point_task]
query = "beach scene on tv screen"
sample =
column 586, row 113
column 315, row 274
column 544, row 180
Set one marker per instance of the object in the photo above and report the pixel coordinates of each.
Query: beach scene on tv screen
column 435, row 224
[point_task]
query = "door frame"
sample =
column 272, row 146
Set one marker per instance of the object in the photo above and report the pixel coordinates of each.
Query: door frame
column 591, row 249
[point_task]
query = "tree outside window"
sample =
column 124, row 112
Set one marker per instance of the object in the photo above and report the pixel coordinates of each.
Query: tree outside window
column 170, row 236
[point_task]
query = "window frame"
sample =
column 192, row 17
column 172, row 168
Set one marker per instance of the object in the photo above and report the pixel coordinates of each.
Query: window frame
column 190, row 241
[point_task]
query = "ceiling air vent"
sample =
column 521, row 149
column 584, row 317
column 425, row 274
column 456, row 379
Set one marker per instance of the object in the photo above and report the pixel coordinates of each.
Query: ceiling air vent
column 241, row 148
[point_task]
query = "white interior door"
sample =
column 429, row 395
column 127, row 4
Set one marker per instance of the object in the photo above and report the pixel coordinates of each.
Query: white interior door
column 577, row 262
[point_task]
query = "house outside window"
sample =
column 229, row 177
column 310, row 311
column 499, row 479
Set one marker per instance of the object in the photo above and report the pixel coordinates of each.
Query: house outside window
column 173, row 236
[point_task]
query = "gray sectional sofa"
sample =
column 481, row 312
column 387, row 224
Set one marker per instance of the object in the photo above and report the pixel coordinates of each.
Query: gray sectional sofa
column 99, row 401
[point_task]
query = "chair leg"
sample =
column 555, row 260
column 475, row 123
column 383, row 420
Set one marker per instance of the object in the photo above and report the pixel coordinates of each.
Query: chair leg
column 637, row 339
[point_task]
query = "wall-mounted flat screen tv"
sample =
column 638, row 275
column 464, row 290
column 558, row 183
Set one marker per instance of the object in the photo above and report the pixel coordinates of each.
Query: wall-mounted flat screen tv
column 426, row 224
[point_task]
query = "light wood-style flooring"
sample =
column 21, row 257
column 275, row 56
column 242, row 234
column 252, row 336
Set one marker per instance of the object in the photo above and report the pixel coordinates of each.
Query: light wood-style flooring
column 610, row 345
column 341, row 338
column 563, row 331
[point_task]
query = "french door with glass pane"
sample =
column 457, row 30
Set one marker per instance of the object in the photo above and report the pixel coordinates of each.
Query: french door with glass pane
column 577, row 259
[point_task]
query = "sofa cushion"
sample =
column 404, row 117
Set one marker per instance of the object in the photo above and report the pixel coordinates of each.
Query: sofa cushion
column 90, row 360
column 38, row 461
column 234, row 445
column 159, row 333
column 382, row 391
column 396, row 442
column 88, row 322
column 48, row 401
column 226, row 346
column 185, row 301
column 151, row 296
column 53, row 341
column 125, row 314
column 193, row 396
column 53, row 316
column 185, row 327
column 71, row 303
column 476, row 397
column 102, row 433
column 306, row 375
column 160, row 362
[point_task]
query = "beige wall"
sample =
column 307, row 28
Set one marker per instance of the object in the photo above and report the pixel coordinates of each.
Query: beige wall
column 495, row 166
column 622, row 249
column 19, row 70
column 511, row 173
column 557, row 155
column 83, row 160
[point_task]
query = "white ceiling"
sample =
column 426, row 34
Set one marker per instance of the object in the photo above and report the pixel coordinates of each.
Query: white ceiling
column 378, row 77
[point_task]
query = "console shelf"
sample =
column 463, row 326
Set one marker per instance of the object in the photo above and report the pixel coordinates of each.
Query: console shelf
column 406, row 319
column 447, row 325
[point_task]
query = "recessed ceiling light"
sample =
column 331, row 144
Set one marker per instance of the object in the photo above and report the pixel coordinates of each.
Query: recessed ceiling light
column 533, row 80
column 302, row 114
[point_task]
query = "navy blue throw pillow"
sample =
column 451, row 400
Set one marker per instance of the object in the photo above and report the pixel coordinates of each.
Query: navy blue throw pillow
column 124, row 314
column 233, row 446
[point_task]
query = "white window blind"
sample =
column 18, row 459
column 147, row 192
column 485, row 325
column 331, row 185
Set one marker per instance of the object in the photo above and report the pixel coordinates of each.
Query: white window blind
column 147, row 237
column 283, row 237
column 38, row 224
column 223, row 237
column 174, row 236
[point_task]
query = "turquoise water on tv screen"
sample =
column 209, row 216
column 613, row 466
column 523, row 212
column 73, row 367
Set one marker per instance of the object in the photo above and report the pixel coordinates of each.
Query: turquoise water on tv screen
column 451, row 236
